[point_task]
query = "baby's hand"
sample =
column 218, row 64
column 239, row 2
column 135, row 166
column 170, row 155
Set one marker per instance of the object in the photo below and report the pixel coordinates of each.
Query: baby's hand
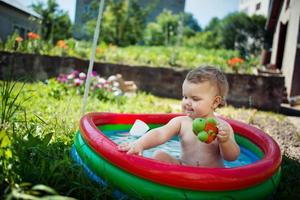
column 223, row 134
column 131, row 148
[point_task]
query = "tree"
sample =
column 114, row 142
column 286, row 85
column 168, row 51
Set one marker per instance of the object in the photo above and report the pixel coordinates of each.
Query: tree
column 153, row 34
column 240, row 32
column 243, row 33
column 213, row 25
column 123, row 22
column 56, row 23
column 205, row 39
column 190, row 25
column 258, row 33
column 169, row 28
column 234, row 30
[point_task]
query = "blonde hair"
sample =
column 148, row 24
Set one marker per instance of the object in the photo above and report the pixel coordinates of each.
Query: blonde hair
column 214, row 76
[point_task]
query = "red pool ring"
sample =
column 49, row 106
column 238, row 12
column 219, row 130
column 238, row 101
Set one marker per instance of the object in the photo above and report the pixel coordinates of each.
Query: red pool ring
column 188, row 177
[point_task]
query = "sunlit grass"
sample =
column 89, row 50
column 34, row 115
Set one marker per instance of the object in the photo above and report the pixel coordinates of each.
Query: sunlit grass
column 43, row 136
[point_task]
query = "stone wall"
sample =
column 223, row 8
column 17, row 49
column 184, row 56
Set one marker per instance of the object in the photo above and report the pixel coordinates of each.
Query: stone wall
column 262, row 92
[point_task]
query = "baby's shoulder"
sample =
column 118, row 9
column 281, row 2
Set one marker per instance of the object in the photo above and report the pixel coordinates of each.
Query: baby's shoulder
column 182, row 120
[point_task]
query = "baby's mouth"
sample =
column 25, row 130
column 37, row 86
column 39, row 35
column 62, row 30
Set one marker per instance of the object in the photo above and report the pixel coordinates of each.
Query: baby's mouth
column 189, row 111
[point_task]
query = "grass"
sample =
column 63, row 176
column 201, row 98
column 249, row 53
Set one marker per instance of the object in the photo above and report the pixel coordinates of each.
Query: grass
column 35, row 159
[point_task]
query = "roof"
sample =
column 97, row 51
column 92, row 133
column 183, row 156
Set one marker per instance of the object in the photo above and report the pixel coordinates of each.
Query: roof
column 16, row 4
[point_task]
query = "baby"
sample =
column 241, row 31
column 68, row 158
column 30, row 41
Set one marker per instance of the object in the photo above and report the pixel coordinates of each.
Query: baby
column 203, row 90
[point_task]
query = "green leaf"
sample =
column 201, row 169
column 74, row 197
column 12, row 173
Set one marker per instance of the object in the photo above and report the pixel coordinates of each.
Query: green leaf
column 56, row 197
column 47, row 138
column 44, row 188
column 5, row 142
column 2, row 134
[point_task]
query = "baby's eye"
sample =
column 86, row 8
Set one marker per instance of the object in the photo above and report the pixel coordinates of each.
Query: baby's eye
column 196, row 99
column 184, row 97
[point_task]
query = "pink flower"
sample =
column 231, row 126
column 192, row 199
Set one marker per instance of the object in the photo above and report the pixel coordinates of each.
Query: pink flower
column 78, row 82
column 99, row 86
column 62, row 78
column 94, row 73
column 82, row 75
column 101, row 81
column 71, row 76
column 75, row 73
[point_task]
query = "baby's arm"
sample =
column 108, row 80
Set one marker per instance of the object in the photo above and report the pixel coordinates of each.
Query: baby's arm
column 153, row 138
column 227, row 144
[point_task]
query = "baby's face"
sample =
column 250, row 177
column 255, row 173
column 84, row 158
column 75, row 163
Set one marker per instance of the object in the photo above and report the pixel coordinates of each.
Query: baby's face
column 199, row 99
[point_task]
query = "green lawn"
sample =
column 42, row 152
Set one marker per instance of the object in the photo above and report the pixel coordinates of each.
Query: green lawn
column 36, row 139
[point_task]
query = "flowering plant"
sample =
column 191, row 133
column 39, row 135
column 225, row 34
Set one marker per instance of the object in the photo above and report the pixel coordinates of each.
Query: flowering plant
column 235, row 63
column 62, row 47
column 34, row 42
column 33, row 36
column 74, row 82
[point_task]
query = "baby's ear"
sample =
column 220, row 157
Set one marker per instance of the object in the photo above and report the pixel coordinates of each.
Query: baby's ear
column 217, row 101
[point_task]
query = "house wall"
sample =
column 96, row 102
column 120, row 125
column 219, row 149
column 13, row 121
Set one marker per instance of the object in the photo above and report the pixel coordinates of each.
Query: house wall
column 249, row 7
column 291, row 16
column 11, row 18
column 262, row 92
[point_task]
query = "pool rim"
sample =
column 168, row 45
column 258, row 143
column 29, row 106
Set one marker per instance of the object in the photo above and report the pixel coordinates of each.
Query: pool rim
column 195, row 178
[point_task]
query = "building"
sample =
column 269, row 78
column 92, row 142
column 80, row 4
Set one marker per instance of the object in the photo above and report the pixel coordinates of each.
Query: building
column 254, row 7
column 15, row 17
column 284, row 24
column 84, row 12
column 176, row 6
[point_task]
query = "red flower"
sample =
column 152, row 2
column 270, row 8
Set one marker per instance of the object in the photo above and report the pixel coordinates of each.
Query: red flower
column 33, row 36
column 235, row 61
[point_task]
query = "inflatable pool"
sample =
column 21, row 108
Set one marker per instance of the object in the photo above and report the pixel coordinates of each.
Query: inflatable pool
column 144, row 178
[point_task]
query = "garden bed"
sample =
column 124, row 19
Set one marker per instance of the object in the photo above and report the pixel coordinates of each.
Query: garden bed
column 252, row 91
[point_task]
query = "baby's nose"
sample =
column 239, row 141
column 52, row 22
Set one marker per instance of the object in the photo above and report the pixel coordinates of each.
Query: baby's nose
column 188, row 102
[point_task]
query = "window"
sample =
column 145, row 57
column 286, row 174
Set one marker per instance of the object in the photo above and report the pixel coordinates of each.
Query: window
column 257, row 7
column 287, row 4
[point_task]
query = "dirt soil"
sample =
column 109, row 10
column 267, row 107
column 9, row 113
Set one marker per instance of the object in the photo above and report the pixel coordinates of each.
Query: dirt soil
column 284, row 130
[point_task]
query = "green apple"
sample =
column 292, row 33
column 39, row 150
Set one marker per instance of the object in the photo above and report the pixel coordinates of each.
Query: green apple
column 198, row 125
column 203, row 136
column 212, row 121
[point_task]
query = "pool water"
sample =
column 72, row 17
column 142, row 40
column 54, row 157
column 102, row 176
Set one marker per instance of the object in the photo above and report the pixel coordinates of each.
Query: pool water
column 173, row 148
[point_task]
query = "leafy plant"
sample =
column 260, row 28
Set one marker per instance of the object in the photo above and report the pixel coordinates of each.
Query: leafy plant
column 10, row 105
column 9, row 102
